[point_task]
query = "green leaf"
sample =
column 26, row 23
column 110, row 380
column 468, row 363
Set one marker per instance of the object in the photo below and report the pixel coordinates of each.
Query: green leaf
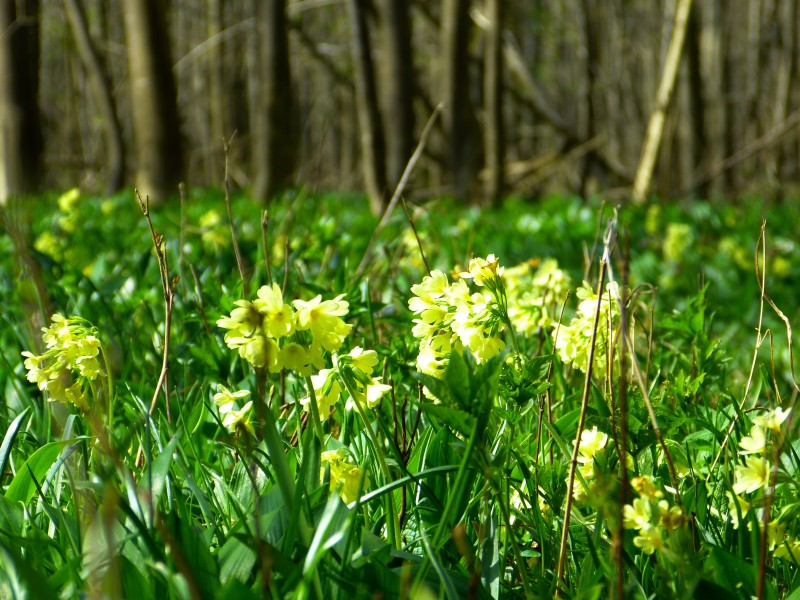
column 23, row 486
column 454, row 418
column 236, row 561
column 24, row 582
column 457, row 378
column 8, row 439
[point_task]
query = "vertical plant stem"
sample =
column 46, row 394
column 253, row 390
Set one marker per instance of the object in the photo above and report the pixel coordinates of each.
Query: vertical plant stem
column 587, row 386
column 392, row 519
column 315, row 417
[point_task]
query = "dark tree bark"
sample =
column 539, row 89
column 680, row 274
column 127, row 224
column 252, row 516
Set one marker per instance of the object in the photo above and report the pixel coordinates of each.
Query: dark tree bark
column 373, row 150
column 697, row 96
column 20, row 125
column 154, row 107
column 98, row 81
column 273, row 146
column 494, row 132
column 458, row 114
column 398, row 87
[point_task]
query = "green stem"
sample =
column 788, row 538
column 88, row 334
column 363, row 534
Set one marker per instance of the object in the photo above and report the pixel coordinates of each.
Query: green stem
column 286, row 484
column 393, row 520
column 315, row 418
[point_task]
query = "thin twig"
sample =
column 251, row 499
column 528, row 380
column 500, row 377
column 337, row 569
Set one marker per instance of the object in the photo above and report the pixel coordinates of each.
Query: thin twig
column 416, row 235
column 761, row 250
column 398, row 192
column 264, row 240
column 587, row 386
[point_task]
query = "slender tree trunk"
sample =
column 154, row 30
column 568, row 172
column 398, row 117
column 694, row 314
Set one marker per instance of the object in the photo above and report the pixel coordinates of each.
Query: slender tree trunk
column 655, row 128
column 157, row 135
column 398, row 87
column 96, row 73
column 697, row 98
column 373, row 153
column 494, row 132
column 458, row 115
column 20, row 128
column 591, row 24
column 273, row 147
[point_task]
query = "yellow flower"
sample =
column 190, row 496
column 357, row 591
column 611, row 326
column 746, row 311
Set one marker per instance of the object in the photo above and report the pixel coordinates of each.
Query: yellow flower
column 372, row 395
column 592, row 442
column 237, row 421
column 364, row 360
column 637, row 515
column 244, row 321
column 278, row 317
column 296, row 357
column 323, row 318
column 68, row 200
column 773, row 419
column 260, row 352
column 733, row 501
column 225, row 397
column 751, row 476
column 649, row 540
column 483, row 271
column 755, row 443
column 326, row 390
column 345, row 477
column 644, row 486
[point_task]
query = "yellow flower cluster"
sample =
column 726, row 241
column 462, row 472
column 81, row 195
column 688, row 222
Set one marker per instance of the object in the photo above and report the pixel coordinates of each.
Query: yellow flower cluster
column 269, row 333
column 574, row 340
column 593, row 442
column 346, row 478
column 753, row 475
column 354, row 371
column 70, row 361
column 450, row 317
column 650, row 515
column 534, row 296
column 234, row 420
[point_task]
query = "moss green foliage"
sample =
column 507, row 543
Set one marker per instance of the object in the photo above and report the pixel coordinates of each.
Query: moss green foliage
column 398, row 433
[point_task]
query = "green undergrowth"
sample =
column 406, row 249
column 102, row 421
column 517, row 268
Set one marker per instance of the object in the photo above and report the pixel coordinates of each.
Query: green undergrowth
column 358, row 413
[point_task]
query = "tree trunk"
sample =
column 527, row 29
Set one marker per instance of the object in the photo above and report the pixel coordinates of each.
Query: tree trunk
column 98, row 81
column 458, row 115
column 157, row 135
column 20, row 127
column 373, row 149
column 494, row 132
column 398, row 87
column 273, row 144
column 655, row 127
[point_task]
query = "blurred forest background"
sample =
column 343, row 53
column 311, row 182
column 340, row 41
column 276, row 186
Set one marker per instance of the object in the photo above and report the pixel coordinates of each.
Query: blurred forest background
column 538, row 96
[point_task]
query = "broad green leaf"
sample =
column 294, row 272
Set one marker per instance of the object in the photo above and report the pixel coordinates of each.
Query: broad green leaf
column 236, row 560
column 456, row 419
column 23, row 487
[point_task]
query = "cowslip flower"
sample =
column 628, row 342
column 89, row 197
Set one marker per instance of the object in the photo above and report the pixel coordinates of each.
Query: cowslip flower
column 736, row 502
column 278, row 318
column 327, row 390
column 592, row 442
column 233, row 419
column 348, row 479
column 573, row 342
column 751, row 476
column 773, row 419
column 70, row 362
column 755, row 443
column 323, row 318
column 649, row 539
